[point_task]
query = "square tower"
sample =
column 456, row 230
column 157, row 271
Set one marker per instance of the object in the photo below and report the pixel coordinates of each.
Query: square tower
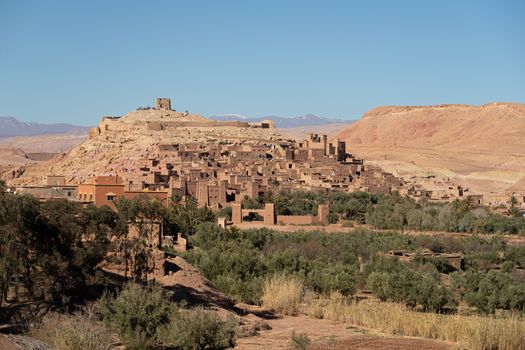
column 164, row 104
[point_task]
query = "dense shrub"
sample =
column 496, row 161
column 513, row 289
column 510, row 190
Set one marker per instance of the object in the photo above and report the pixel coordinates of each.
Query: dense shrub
column 136, row 313
column 238, row 262
column 198, row 329
column 325, row 277
column 491, row 290
column 143, row 317
column 412, row 288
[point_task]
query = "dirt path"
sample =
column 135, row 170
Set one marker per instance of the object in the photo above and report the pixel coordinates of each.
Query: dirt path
column 326, row 335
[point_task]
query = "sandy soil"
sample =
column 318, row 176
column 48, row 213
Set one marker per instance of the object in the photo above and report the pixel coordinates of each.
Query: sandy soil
column 51, row 143
column 6, row 344
column 326, row 335
column 481, row 147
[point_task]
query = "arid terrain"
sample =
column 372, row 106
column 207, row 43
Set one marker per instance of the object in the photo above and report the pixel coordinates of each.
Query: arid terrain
column 51, row 143
column 302, row 132
column 117, row 143
column 481, row 147
column 326, row 334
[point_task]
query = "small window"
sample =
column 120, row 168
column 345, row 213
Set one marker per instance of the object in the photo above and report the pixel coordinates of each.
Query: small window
column 90, row 197
column 69, row 193
column 111, row 198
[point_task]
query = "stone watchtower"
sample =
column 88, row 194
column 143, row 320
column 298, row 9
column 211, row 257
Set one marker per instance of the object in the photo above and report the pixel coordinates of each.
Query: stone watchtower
column 163, row 104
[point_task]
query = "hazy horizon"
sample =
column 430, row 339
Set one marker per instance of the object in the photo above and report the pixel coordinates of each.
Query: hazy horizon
column 65, row 62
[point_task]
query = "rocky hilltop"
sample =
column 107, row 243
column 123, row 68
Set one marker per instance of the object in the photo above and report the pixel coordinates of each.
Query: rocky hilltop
column 482, row 146
column 119, row 143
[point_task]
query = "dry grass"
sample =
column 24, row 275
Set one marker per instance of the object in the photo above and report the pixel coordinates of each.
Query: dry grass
column 81, row 331
column 472, row 332
column 282, row 294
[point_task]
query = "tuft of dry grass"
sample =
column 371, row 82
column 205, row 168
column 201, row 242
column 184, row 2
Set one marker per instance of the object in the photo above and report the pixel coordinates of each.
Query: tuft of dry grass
column 282, row 294
column 80, row 331
column 472, row 332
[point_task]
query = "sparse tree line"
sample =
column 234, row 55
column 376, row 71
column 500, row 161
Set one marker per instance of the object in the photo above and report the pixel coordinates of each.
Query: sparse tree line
column 393, row 211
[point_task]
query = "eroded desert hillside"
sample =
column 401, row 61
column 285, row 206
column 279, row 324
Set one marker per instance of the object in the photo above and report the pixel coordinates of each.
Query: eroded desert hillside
column 480, row 146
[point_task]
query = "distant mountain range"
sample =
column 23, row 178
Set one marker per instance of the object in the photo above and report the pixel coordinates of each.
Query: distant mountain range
column 10, row 127
column 282, row 122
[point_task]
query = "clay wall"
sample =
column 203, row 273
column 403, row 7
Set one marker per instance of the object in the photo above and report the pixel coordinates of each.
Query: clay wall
column 161, row 196
column 322, row 213
column 54, row 180
column 107, row 180
column 44, row 193
column 236, row 213
column 295, row 219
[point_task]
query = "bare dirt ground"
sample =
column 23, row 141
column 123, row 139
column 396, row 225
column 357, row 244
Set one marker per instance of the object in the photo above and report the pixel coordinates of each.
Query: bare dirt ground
column 324, row 334
column 6, row 344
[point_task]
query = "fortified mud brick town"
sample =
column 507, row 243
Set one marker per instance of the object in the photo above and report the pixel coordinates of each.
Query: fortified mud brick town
column 164, row 153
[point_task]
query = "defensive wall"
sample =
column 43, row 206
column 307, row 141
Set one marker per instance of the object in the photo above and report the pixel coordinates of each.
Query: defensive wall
column 271, row 218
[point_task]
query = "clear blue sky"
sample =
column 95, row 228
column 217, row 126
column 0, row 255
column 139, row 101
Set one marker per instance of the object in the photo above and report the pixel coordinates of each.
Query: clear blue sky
column 75, row 61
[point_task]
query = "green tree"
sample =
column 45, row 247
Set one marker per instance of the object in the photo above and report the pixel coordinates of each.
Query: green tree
column 144, row 216
column 188, row 216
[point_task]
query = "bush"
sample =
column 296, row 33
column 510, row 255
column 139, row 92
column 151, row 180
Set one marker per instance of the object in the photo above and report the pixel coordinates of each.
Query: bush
column 198, row 329
column 81, row 331
column 282, row 294
column 136, row 314
column 413, row 288
column 488, row 291
column 299, row 341
column 326, row 277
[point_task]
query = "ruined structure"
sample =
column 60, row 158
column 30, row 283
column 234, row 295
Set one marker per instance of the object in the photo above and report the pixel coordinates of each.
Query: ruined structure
column 453, row 259
column 163, row 104
column 270, row 217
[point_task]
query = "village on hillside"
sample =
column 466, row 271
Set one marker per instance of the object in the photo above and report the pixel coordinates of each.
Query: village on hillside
column 219, row 171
